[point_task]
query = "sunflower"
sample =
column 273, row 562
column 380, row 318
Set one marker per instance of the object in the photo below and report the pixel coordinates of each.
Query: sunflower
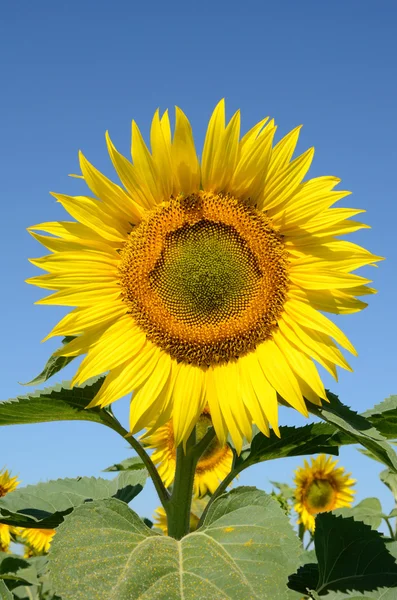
column 201, row 284
column 7, row 483
column 38, row 540
column 198, row 506
column 214, row 465
column 5, row 537
column 321, row 487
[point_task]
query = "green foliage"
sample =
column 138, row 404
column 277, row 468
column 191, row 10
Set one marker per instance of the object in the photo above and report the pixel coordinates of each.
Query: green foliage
column 53, row 365
column 293, row 441
column 380, row 594
column 368, row 510
column 384, row 417
column 45, row 505
column 351, row 556
column 390, row 480
column 357, row 427
column 58, row 403
column 5, row 593
column 129, row 464
column 15, row 570
column 245, row 549
column 37, row 585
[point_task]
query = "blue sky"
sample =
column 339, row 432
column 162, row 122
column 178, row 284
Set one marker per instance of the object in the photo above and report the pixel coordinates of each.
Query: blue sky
column 72, row 70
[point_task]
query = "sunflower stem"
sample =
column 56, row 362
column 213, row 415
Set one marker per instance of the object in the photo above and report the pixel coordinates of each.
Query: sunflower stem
column 389, row 528
column 220, row 489
column 161, row 490
column 114, row 424
column 178, row 508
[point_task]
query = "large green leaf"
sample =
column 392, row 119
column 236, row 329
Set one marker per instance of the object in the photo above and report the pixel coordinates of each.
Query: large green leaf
column 245, row 549
column 357, row 427
column 58, row 403
column 351, row 556
column 368, row 510
column 44, row 505
column 5, row 593
column 53, row 365
column 293, row 441
column 129, row 464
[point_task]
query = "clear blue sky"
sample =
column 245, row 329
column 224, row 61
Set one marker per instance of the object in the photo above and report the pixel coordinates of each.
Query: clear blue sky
column 71, row 70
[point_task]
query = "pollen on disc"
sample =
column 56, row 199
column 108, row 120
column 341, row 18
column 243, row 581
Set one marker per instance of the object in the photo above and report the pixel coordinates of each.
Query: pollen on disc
column 205, row 276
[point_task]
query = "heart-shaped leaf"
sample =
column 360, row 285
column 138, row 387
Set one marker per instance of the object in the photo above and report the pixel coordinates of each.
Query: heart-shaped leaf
column 245, row 549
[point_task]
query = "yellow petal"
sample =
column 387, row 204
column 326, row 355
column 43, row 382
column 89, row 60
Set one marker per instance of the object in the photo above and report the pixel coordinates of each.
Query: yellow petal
column 185, row 163
column 161, row 151
column 278, row 372
column 110, row 193
column 189, row 401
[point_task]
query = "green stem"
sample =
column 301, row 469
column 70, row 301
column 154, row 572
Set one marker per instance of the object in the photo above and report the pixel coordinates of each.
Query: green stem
column 178, row 508
column 220, row 490
column 154, row 474
column 389, row 527
column 111, row 421
column 301, row 532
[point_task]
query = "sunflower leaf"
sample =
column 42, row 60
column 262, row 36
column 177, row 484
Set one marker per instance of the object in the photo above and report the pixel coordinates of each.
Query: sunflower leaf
column 294, row 441
column 58, row 403
column 245, row 549
column 5, row 593
column 384, row 417
column 369, row 511
column 357, row 427
column 16, row 570
column 53, row 365
column 45, row 505
column 129, row 464
column 390, row 480
column 379, row 594
column 351, row 556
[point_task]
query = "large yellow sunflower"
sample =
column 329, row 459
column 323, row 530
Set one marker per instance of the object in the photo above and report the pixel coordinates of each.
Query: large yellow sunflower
column 201, row 284
column 321, row 487
column 213, row 466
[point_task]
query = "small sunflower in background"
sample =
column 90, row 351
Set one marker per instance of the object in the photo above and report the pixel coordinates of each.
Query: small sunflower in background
column 203, row 283
column 37, row 541
column 197, row 509
column 213, row 466
column 321, row 487
column 7, row 485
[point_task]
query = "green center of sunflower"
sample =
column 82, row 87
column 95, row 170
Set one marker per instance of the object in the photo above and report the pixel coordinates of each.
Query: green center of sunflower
column 320, row 495
column 206, row 273
column 206, row 277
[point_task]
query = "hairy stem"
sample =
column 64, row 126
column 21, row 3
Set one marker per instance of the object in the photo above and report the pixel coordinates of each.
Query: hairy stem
column 220, row 490
column 389, row 528
column 178, row 508
column 114, row 424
